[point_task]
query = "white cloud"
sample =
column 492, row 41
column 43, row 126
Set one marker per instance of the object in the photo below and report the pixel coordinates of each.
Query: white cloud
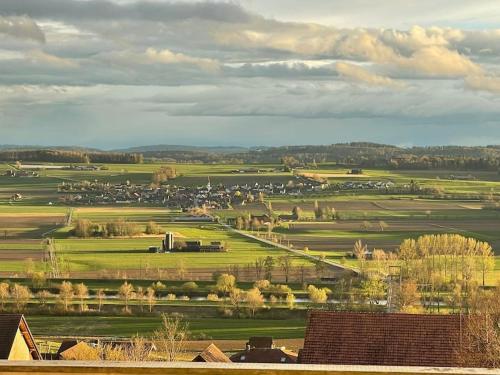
column 359, row 74
column 166, row 56
column 436, row 61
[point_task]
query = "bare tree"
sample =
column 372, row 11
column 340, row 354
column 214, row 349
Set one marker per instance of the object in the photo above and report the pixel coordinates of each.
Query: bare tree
column 140, row 296
column 81, row 292
column 151, row 298
column 408, row 297
column 383, row 225
column 126, row 293
column 66, row 294
column 285, row 263
column 21, row 295
column 137, row 350
column 43, row 296
column 259, row 267
column 360, row 253
column 254, row 300
column 290, row 300
column 236, row 296
column 100, row 297
column 4, row 294
column 170, row 338
column 481, row 341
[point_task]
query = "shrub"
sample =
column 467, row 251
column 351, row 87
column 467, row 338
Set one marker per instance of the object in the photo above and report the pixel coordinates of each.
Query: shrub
column 262, row 284
column 212, row 297
column 189, row 286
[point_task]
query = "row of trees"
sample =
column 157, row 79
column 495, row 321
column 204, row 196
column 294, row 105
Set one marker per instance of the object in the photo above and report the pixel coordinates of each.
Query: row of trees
column 225, row 290
column 163, row 174
column 66, row 156
column 85, row 228
column 429, row 271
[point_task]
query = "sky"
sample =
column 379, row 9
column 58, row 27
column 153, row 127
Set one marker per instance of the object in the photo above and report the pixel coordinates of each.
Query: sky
column 119, row 73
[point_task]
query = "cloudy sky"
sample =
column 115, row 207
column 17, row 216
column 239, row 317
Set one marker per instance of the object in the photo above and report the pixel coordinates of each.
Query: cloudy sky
column 122, row 73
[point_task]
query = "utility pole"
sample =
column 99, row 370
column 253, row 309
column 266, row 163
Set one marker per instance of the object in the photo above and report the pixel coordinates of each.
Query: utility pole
column 394, row 280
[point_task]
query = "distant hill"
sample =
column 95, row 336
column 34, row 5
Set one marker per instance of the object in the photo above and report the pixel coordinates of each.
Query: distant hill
column 181, row 148
column 56, row 148
column 362, row 154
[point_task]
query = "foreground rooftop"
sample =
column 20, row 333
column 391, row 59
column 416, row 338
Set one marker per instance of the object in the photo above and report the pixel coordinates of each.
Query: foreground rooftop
column 185, row 368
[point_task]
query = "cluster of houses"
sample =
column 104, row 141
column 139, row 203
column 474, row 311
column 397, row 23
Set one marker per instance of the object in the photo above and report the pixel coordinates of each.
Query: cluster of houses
column 252, row 170
column 21, row 173
column 84, row 167
column 173, row 196
column 332, row 338
column 363, row 185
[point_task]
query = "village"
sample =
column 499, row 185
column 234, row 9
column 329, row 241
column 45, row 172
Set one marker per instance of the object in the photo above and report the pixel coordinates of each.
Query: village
column 217, row 196
column 172, row 196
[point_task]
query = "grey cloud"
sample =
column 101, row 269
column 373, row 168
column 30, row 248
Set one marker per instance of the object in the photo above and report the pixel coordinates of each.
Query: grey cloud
column 107, row 10
column 430, row 101
column 21, row 27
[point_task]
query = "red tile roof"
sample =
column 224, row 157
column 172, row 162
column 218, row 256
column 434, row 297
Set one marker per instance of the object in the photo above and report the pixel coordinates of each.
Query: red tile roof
column 381, row 339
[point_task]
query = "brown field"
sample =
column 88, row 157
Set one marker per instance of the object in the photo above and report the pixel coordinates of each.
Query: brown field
column 403, row 225
column 122, row 210
column 338, row 205
column 333, row 175
column 390, row 205
column 16, row 254
column 23, row 220
column 409, row 205
column 340, row 244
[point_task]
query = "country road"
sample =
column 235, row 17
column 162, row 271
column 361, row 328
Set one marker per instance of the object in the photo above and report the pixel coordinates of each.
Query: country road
column 335, row 266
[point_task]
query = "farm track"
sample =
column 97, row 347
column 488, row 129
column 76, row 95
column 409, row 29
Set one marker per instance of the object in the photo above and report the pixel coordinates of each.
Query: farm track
column 334, row 265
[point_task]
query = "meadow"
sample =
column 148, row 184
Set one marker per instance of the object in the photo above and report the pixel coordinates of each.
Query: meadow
column 127, row 326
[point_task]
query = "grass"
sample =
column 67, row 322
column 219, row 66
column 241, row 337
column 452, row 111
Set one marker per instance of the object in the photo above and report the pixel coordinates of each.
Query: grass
column 131, row 253
column 213, row 328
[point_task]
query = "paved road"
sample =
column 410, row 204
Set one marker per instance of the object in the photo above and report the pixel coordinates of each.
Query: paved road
column 335, row 266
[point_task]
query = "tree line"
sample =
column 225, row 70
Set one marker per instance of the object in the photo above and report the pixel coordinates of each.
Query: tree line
column 66, row 156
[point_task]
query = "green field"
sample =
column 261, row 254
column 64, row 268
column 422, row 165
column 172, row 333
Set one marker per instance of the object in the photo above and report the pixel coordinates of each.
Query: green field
column 408, row 215
column 208, row 328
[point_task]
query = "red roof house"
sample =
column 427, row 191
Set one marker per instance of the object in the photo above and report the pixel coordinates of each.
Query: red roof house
column 383, row 339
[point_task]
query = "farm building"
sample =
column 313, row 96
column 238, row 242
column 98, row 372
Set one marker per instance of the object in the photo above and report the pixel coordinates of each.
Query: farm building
column 16, row 340
column 212, row 354
column 168, row 244
column 262, row 350
column 381, row 339
column 76, row 350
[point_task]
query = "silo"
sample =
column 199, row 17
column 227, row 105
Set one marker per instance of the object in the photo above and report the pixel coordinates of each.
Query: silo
column 168, row 242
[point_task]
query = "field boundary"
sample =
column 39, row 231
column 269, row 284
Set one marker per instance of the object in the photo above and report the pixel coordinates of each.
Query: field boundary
column 293, row 251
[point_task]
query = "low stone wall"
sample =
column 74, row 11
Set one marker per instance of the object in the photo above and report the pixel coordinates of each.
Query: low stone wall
column 186, row 368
